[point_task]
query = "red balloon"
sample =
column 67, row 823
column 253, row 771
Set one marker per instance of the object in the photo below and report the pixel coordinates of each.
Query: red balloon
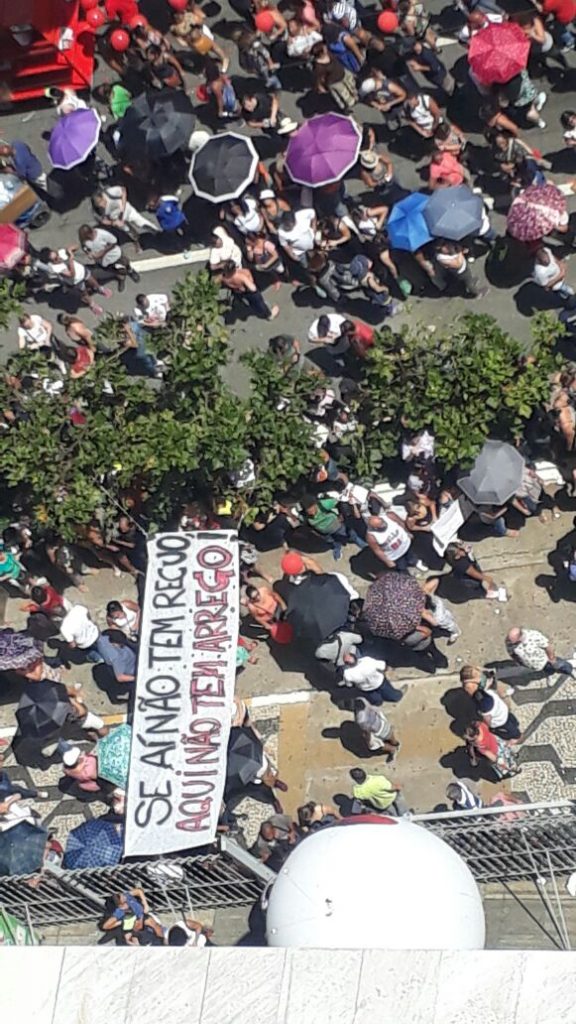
column 138, row 21
column 95, row 17
column 264, row 21
column 178, row 5
column 387, row 22
column 88, row 5
column 119, row 40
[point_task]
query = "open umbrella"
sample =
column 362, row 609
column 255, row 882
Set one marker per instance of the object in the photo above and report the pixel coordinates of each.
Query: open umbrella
column 17, row 650
column 43, row 708
column 495, row 476
column 393, row 605
column 407, row 228
column 114, row 755
column 323, row 149
column 12, row 246
column 73, row 138
column 454, row 212
column 22, row 849
column 498, row 53
column 317, row 606
column 223, row 167
column 157, row 124
column 536, row 212
column 245, row 754
column 94, row 844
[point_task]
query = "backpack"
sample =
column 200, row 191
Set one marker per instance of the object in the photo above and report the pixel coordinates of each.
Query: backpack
column 344, row 55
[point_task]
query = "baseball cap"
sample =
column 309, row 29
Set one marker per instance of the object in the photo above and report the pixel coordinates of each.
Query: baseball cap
column 71, row 757
column 292, row 563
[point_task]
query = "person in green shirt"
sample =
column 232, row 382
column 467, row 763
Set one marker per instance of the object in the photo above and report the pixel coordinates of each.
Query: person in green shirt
column 322, row 516
column 378, row 792
column 117, row 97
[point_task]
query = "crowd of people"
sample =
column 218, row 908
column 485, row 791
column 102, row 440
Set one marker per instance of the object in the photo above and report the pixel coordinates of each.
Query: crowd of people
column 319, row 236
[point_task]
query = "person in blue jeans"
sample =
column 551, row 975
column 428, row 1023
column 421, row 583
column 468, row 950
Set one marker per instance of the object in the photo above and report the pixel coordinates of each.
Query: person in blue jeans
column 9, row 788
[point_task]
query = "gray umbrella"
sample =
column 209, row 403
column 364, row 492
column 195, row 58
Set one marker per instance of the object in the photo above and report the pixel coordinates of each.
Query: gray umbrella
column 495, row 476
column 454, row 212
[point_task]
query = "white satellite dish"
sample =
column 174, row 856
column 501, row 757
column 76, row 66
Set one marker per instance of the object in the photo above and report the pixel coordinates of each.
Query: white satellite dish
column 386, row 885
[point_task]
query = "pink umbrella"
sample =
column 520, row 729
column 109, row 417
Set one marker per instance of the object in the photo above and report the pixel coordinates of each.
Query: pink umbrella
column 12, row 246
column 536, row 212
column 498, row 53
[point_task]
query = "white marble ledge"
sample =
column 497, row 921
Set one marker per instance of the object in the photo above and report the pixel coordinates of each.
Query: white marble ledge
column 77, row 985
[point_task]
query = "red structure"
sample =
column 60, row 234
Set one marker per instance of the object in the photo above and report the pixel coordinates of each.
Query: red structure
column 43, row 43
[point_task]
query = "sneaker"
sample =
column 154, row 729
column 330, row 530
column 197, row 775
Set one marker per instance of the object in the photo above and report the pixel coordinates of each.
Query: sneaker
column 134, row 275
column 43, row 794
column 454, row 637
column 541, row 124
column 540, row 101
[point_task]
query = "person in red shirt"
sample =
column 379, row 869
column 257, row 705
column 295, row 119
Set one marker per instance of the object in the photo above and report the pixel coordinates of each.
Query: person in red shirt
column 564, row 12
column 480, row 741
column 46, row 599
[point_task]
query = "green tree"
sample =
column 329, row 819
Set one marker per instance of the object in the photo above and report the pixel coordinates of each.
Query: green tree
column 466, row 382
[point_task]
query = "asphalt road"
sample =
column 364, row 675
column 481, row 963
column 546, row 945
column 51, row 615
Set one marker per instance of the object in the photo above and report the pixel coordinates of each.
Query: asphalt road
column 511, row 305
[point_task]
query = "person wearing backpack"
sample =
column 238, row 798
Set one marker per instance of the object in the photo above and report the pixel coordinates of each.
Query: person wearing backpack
column 219, row 86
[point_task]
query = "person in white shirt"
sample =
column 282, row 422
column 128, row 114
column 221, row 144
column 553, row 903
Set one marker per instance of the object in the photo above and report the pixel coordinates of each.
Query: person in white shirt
column 390, row 541
column 326, row 328
column 34, row 332
column 368, row 675
column 224, row 250
column 152, row 310
column 79, row 632
column 297, row 233
column 112, row 208
column 550, row 273
column 247, row 217
column 60, row 267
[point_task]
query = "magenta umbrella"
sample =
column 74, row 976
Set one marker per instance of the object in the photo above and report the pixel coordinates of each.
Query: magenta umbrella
column 323, row 149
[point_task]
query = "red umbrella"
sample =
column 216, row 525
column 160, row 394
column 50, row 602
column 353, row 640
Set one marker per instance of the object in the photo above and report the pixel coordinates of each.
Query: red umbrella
column 498, row 53
column 536, row 212
column 12, row 246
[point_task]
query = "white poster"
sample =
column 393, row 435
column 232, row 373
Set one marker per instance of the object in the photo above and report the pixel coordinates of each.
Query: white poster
column 184, row 691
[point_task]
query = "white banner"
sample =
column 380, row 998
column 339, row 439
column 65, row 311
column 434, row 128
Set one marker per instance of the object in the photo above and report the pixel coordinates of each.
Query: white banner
column 184, row 691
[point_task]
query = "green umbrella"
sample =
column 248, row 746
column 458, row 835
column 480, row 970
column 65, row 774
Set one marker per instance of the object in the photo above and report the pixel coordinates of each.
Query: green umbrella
column 114, row 755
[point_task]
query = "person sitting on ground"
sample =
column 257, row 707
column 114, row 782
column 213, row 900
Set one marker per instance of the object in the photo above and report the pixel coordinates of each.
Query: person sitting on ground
column 313, row 816
column 264, row 605
column 82, row 768
column 124, row 615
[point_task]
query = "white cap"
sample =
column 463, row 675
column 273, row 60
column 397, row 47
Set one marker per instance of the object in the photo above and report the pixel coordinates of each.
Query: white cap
column 71, row 757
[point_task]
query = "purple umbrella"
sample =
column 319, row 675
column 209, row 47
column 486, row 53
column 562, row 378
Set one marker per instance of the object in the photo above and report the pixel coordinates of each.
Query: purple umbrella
column 323, row 149
column 73, row 138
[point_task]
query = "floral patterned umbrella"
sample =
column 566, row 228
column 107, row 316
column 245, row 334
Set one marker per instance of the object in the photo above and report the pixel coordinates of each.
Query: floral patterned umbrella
column 114, row 755
column 393, row 605
column 17, row 650
column 536, row 212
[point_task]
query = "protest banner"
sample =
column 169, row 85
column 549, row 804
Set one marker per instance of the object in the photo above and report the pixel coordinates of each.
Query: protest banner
column 184, row 691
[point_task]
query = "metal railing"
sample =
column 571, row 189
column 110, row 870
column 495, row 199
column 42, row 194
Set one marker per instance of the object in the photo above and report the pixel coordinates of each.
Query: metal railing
column 230, row 878
column 513, row 842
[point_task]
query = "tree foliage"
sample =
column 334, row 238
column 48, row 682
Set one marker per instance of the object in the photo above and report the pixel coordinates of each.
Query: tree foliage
column 466, row 383
column 69, row 448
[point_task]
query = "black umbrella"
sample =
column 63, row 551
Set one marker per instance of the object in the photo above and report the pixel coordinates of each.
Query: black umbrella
column 22, row 849
column 317, row 607
column 245, row 754
column 43, row 708
column 157, row 124
column 223, row 167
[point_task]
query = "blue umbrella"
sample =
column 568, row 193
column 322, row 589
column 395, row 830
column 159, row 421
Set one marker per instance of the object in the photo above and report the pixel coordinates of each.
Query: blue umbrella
column 94, row 844
column 73, row 138
column 22, row 849
column 406, row 226
column 454, row 212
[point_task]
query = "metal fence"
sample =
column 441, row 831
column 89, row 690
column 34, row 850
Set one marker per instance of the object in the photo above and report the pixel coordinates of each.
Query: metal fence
column 230, row 878
column 511, row 843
